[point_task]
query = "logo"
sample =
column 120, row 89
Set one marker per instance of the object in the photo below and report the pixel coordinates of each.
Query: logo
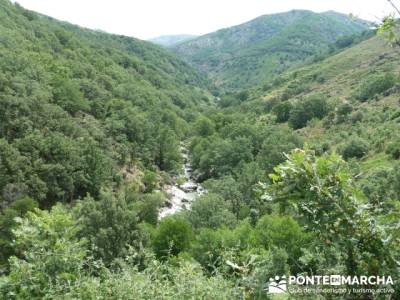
column 277, row 285
column 337, row 284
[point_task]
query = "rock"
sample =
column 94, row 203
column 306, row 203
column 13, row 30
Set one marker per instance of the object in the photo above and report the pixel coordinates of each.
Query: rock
column 189, row 186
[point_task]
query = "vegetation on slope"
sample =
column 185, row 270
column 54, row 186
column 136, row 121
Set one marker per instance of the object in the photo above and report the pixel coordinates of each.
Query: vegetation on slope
column 245, row 55
column 83, row 111
column 94, row 129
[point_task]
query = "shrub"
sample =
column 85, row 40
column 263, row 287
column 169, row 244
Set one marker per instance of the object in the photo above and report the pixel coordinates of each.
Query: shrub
column 283, row 232
column 356, row 148
column 314, row 106
column 172, row 237
column 282, row 111
column 110, row 225
column 375, row 85
column 210, row 211
column 393, row 149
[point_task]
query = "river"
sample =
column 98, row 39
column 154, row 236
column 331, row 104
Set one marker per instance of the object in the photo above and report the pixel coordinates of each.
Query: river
column 181, row 195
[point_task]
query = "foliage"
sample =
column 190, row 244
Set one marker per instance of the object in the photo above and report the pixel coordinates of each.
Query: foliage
column 355, row 148
column 283, row 232
column 375, row 85
column 320, row 193
column 173, row 236
column 315, row 106
column 247, row 55
column 8, row 222
column 51, row 255
column 210, row 211
column 110, row 225
column 282, row 111
column 78, row 105
column 394, row 150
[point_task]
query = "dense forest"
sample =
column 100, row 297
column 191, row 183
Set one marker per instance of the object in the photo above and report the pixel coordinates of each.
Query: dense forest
column 301, row 167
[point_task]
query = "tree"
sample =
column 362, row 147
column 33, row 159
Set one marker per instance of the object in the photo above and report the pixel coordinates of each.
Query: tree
column 282, row 111
column 173, row 236
column 18, row 209
column 51, row 254
column 204, row 126
column 67, row 94
column 374, row 85
column 315, row 106
column 320, row 193
column 355, row 148
column 110, row 225
column 210, row 211
column 167, row 155
column 283, row 232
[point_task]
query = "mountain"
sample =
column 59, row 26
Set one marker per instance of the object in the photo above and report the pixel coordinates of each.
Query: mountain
column 357, row 91
column 172, row 40
column 77, row 106
column 247, row 54
column 95, row 128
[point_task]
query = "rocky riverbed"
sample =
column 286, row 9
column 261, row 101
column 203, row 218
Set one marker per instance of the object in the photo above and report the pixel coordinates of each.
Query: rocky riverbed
column 182, row 195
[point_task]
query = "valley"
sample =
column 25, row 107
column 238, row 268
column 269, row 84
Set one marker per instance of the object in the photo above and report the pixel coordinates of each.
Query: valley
column 199, row 169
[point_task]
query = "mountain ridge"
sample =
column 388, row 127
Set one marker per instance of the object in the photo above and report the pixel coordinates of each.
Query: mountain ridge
column 266, row 46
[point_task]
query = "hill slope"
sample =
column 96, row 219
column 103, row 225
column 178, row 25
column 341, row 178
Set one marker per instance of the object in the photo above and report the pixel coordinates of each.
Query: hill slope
column 244, row 55
column 357, row 92
column 77, row 105
column 172, row 40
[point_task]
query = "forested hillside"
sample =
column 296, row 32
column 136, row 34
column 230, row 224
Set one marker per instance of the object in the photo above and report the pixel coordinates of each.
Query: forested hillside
column 301, row 171
column 78, row 105
column 245, row 55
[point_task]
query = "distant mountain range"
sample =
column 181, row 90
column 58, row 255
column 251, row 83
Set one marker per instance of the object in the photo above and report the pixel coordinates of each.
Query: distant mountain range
column 172, row 40
column 248, row 54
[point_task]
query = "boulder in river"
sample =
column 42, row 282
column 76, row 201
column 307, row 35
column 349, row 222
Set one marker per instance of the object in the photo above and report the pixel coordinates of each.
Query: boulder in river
column 189, row 186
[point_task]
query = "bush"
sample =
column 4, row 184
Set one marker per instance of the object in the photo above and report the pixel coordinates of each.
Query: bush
column 315, row 106
column 210, row 211
column 375, row 85
column 110, row 225
column 393, row 149
column 172, row 237
column 356, row 148
column 283, row 232
column 149, row 181
column 52, row 255
column 282, row 111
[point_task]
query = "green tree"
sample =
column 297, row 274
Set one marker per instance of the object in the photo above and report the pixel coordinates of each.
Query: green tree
column 18, row 208
column 52, row 255
column 210, row 211
column 172, row 237
column 355, row 148
column 68, row 95
column 110, row 225
column 315, row 106
column 321, row 195
column 282, row 111
column 204, row 126
column 283, row 232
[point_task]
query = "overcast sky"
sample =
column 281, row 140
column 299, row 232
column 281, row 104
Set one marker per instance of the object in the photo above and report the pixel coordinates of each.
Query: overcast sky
column 150, row 18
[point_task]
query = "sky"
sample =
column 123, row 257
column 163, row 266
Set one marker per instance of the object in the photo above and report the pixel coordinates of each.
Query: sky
column 147, row 19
